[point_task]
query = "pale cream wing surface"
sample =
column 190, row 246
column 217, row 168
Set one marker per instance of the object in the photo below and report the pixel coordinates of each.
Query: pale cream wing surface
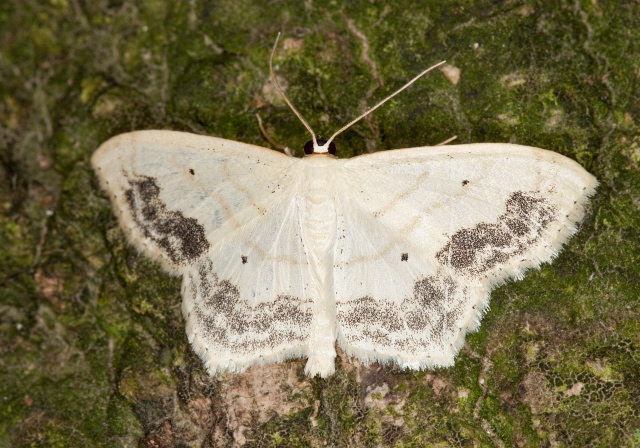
column 175, row 193
column 223, row 215
column 425, row 233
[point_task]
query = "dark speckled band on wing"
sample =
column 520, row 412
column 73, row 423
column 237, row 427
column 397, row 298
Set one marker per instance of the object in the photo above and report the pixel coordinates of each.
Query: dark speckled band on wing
column 236, row 331
column 182, row 239
column 425, row 321
column 474, row 251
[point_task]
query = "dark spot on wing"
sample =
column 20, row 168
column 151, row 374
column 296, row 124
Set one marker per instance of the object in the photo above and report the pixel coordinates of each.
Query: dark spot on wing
column 404, row 257
column 182, row 239
column 478, row 249
column 244, row 259
column 191, row 171
column 465, row 182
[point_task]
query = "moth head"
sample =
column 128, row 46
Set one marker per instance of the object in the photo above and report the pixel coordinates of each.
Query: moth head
column 321, row 146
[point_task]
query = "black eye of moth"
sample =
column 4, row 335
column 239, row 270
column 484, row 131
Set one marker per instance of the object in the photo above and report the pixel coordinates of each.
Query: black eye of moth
column 308, row 147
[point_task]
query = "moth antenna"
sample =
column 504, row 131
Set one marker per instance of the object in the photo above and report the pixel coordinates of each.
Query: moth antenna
column 295, row 111
column 384, row 101
column 449, row 140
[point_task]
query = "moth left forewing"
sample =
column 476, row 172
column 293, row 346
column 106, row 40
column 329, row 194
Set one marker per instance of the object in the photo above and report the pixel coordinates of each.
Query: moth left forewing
column 223, row 215
column 176, row 193
column 465, row 218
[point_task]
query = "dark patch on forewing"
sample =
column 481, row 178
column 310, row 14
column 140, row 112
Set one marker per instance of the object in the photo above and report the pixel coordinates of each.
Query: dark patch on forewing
column 424, row 322
column 404, row 257
column 476, row 250
column 182, row 239
column 228, row 323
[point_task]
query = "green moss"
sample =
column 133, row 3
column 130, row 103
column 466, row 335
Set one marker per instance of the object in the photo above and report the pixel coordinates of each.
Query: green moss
column 291, row 431
column 92, row 343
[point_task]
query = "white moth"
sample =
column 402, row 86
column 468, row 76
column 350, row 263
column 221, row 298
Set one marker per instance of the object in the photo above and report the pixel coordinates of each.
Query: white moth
column 393, row 254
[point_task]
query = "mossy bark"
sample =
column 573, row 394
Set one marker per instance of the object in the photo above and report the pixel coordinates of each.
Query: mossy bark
column 92, row 344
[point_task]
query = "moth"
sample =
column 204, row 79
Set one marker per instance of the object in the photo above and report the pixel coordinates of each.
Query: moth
column 391, row 255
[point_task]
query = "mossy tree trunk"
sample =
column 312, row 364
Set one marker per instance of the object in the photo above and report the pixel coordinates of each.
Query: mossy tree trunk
column 92, row 344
